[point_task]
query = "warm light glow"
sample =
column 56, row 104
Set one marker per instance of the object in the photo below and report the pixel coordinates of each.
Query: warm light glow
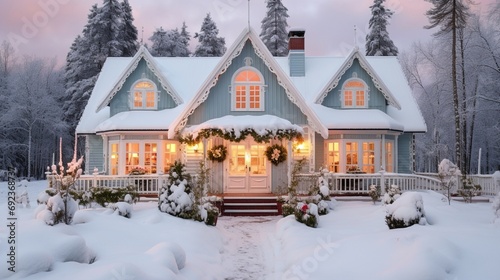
column 195, row 148
column 154, row 149
column 247, row 157
column 113, row 156
column 135, row 155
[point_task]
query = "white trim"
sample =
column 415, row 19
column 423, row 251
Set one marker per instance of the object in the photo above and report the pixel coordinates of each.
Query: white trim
column 142, row 53
column 377, row 81
column 235, row 50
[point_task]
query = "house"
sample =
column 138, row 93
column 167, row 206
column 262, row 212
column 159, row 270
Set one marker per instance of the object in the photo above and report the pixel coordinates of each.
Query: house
column 348, row 114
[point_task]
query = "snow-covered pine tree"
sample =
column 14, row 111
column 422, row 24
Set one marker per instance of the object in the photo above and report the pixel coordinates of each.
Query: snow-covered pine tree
column 184, row 41
column 274, row 32
column 378, row 42
column 109, row 32
column 160, row 43
column 210, row 45
column 129, row 31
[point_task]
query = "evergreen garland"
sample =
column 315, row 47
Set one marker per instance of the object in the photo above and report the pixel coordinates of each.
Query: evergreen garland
column 280, row 134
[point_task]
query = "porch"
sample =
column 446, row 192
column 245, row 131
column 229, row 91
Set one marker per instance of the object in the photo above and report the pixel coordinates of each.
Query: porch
column 339, row 183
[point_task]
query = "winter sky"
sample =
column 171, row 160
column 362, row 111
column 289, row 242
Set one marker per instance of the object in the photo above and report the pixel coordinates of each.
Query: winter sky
column 48, row 27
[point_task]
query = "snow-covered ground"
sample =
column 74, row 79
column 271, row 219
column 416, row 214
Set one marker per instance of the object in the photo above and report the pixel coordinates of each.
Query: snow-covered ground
column 461, row 241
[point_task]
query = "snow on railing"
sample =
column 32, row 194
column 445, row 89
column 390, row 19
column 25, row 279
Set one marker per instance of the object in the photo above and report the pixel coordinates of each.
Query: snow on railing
column 145, row 184
column 342, row 183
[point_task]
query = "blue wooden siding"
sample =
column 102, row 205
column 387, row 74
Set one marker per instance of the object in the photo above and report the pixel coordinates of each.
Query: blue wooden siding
column 297, row 62
column 376, row 98
column 404, row 153
column 121, row 101
column 319, row 151
column 218, row 103
column 96, row 153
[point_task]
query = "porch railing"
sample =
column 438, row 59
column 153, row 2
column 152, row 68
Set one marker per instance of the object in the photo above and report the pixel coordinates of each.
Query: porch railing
column 144, row 184
column 360, row 183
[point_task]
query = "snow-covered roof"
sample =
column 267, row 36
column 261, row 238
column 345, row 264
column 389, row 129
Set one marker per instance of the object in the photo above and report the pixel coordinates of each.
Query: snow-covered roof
column 191, row 77
column 260, row 124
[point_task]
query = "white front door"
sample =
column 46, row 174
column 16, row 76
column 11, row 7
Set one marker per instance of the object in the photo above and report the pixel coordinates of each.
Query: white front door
column 247, row 168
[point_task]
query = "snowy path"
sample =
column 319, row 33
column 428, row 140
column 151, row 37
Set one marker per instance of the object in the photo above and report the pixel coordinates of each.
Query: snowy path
column 249, row 251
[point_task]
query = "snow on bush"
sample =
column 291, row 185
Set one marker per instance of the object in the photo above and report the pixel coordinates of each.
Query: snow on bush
column 176, row 197
column 406, row 211
column 307, row 214
column 22, row 198
column 123, row 209
column 374, row 193
column 496, row 205
column 391, row 194
column 448, row 173
column 58, row 210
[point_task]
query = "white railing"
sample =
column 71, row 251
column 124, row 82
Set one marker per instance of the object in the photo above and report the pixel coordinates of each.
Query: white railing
column 341, row 183
column 144, row 184
column 489, row 184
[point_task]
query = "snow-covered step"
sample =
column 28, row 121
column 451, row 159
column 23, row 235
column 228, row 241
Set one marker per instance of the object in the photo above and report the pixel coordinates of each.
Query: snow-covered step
column 250, row 206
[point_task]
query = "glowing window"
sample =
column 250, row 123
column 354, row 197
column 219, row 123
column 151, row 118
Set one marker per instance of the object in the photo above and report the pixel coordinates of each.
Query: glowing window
column 144, row 95
column 354, row 94
column 248, row 90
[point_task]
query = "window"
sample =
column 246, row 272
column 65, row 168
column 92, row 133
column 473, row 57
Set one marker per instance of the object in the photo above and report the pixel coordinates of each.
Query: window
column 354, row 94
column 144, row 95
column 334, row 157
column 248, row 89
column 113, row 166
column 389, row 162
column 170, row 155
column 351, row 156
column 368, row 157
column 150, row 157
column 131, row 156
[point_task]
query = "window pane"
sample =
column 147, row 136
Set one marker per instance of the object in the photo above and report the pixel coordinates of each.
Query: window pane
column 144, row 85
column 138, row 99
column 131, row 156
column 360, row 98
column 114, row 160
column 150, row 99
column 333, row 158
column 150, row 157
column 368, row 157
column 240, row 98
column 247, row 76
column 355, row 84
column 348, row 98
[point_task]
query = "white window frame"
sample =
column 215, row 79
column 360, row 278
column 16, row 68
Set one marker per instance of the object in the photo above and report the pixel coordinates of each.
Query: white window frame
column 143, row 93
column 342, row 165
column 354, row 93
column 247, row 85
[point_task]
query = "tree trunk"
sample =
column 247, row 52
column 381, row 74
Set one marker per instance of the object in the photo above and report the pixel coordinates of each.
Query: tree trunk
column 465, row 164
column 458, row 156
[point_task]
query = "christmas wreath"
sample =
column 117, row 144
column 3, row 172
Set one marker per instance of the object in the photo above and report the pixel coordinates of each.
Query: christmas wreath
column 276, row 154
column 217, row 153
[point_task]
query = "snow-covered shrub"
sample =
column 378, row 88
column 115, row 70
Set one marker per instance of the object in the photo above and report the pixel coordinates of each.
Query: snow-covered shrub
column 391, row 194
column 176, row 197
column 448, row 174
column 59, row 210
column 61, row 207
column 406, row 211
column 209, row 213
column 123, row 209
column 469, row 190
column 496, row 206
column 307, row 214
column 105, row 195
column 374, row 193
column 22, row 197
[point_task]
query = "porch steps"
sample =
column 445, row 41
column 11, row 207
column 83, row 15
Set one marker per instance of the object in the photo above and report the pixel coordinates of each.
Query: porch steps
column 250, row 206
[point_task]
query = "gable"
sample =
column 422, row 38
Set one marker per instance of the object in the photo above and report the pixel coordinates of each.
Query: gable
column 120, row 102
column 376, row 99
column 218, row 102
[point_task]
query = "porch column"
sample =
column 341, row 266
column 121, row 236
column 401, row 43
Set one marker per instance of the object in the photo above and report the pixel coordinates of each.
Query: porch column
column 289, row 162
column 205, row 141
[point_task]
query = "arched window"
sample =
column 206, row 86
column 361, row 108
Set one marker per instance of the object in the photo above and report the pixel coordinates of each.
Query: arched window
column 144, row 95
column 248, row 90
column 355, row 93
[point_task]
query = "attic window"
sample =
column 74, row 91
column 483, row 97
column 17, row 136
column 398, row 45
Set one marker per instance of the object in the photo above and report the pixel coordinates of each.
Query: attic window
column 144, row 95
column 354, row 94
column 248, row 90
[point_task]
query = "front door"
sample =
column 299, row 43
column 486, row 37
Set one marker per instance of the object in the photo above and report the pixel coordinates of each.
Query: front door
column 248, row 168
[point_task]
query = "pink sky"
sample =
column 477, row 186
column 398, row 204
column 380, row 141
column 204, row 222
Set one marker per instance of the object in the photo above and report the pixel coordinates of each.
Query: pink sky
column 48, row 27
